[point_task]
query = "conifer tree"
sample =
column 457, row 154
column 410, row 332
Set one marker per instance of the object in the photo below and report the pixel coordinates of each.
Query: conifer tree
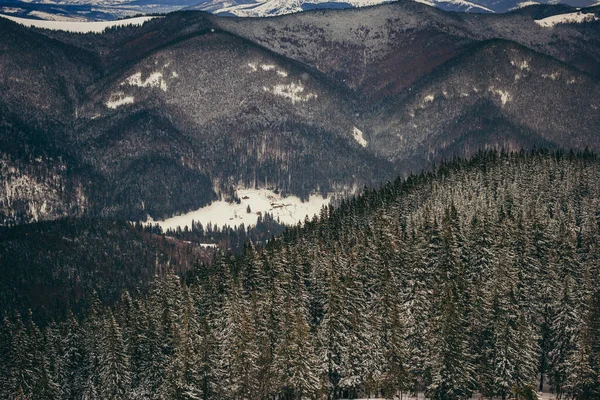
column 238, row 348
column 295, row 360
column 582, row 381
column 72, row 376
column 182, row 382
column 114, row 374
column 564, row 328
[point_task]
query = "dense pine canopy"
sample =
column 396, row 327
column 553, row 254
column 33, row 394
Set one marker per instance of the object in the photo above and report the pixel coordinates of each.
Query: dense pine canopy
column 478, row 277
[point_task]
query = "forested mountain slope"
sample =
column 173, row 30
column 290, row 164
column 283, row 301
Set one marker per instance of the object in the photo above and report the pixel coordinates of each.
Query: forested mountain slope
column 164, row 118
column 52, row 267
column 477, row 276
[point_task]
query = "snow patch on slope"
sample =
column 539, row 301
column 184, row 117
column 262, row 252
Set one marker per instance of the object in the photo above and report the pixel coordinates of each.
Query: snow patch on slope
column 522, row 65
column 468, row 6
column 426, row 2
column 56, row 17
column 505, row 97
column 11, row 10
column 359, row 137
column 119, row 99
column 554, row 76
column 154, row 80
column 254, row 66
column 429, row 98
column 525, row 4
column 293, row 92
column 290, row 210
column 570, row 18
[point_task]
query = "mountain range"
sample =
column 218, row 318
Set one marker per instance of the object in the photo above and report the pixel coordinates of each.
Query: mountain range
column 99, row 10
column 160, row 119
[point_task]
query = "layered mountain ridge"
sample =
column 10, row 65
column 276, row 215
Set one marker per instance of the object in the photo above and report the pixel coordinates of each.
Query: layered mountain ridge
column 164, row 118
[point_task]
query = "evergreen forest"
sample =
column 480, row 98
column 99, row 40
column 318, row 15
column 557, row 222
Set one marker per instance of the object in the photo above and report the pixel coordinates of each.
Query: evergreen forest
column 480, row 276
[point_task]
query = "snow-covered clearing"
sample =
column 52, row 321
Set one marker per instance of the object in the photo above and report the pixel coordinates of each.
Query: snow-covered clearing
column 77, row 27
column 290, row 210
column 570, row 18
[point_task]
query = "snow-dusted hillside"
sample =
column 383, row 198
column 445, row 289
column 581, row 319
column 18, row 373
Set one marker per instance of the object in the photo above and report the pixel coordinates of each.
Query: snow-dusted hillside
column 289, row 210
column 77, row 26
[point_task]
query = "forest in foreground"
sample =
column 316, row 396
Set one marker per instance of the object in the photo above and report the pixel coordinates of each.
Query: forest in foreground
column 481, row 276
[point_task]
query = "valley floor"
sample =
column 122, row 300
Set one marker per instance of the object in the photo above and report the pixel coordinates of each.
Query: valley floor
column 253, row 202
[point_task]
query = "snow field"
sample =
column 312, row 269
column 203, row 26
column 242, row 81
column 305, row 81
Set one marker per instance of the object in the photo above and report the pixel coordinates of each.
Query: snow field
column 290, row 210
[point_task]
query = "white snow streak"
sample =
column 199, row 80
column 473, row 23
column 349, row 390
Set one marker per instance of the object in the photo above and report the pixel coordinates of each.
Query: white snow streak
column 525, row 4
column 293, row 92
column 359, row 137
column 119, row 99
column 11, row 10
